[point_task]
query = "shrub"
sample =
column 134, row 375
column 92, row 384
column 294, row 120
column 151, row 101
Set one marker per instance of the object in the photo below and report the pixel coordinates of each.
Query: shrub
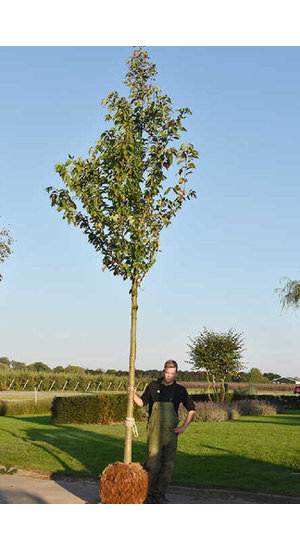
column 281, row 402
column 206, row 412
column 211, row 412
column 92, row 409
column 18, row 408
column 254, row 407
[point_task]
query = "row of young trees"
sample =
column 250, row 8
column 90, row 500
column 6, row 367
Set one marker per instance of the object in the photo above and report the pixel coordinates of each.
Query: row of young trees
column 39, row 366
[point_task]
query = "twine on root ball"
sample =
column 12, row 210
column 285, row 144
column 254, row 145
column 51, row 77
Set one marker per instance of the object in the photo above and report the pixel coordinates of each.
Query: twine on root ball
column 131, row 423
column 124, row 484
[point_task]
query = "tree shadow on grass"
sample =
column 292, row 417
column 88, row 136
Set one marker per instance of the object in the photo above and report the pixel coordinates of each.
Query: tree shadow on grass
column 223, row 468
column 78, row 453
column 92, row 451
column 284, row 421
column 75, row 454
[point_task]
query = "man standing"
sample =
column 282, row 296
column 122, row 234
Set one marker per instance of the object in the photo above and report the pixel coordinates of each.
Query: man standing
column 163, row 397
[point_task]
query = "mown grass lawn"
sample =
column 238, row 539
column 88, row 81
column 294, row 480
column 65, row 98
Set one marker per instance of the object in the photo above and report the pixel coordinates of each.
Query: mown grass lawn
column 252, row 453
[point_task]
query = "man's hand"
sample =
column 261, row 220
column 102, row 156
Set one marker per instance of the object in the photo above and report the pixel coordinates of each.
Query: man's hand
column 138, row 401
column 179, row 430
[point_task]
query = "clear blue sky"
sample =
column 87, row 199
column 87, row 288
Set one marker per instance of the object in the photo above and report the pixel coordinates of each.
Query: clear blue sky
column 224, row 254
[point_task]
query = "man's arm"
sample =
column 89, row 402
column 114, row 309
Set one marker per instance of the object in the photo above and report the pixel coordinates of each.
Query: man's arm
column 189, row 417
column 138, row 401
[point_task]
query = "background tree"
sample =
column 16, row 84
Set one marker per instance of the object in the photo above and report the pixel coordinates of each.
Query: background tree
column 255, row 375
column 18, row 365
column 219, row 354
column 289, row 294
column 59, row 368
column 6, row 242
column 5, row 361
column 38, row 366
column 74, row 369
column 117, row 196
column 4, row 368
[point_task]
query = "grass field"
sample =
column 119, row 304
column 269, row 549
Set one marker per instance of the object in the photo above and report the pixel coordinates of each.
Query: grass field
column 252, row 453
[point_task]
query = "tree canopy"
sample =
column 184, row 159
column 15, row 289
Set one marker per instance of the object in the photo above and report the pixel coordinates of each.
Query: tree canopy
column 218, row 354
column 289, row 294
column 116, row 196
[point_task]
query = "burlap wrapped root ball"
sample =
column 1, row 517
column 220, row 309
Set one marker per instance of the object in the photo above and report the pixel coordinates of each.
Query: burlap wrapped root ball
column 124, row 484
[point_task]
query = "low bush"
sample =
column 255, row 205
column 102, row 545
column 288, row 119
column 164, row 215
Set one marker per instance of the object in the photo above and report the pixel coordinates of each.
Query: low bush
column 92, row 409
column 281, row 402
column 211, row 412
column 18, row 408
column 254, row 407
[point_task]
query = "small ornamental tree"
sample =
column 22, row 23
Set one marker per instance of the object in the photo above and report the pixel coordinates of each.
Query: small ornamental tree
column 117, row 196
column 219, row 354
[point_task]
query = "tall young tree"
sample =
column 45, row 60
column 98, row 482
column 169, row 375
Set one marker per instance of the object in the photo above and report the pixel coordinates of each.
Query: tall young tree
column 118, row 197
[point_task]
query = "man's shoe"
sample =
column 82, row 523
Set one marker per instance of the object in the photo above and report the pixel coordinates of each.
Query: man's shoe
column 160, row 498
column 157, row 498
column 149, row 500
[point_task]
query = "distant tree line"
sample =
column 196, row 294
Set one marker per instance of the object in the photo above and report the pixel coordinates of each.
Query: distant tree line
column 254, row 375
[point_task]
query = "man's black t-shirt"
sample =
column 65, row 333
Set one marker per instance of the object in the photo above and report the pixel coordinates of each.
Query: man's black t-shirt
column 174, row 393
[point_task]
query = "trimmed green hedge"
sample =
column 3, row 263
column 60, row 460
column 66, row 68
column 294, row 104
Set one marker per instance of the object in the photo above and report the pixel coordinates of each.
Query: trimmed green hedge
column 92, row 409
column 18, row 408
column 279, row 401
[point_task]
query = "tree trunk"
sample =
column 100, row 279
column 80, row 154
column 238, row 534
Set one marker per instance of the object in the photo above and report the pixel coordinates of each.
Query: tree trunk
column 208, row 387
column 214, row 384
column 131, row 380
column 222, row 390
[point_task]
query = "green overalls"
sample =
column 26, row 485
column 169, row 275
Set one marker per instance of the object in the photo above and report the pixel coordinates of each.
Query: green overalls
column 161, row 446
